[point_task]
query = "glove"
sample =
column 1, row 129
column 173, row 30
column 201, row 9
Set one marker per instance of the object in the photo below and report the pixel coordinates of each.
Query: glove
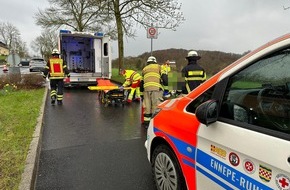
column 121, row 88
column 166, row 94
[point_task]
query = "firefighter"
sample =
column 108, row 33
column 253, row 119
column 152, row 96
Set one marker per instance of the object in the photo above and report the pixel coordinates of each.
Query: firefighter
column 56, row 70
column 152, row 87
column 165, row 69
column 132, row 79
column 193, row 74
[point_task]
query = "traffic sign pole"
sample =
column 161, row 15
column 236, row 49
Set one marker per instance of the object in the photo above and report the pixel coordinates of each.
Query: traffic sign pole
column 152, row 34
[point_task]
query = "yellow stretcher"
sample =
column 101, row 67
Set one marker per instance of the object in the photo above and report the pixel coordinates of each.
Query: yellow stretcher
column 110, row 93
column 106, row 88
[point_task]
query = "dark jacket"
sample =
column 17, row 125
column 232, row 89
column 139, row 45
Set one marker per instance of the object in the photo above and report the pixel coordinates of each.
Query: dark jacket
column 193, row 75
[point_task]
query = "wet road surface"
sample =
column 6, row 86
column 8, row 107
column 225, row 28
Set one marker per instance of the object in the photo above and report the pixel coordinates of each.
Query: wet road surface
column 86, row 145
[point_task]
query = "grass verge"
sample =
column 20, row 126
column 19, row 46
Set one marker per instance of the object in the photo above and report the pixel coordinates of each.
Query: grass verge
column 18, row 117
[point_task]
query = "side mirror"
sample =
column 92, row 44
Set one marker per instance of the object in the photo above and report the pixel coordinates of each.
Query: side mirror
column 206, row 112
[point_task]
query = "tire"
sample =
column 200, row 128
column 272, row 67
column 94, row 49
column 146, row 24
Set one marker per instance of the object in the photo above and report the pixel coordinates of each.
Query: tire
column 166, row 170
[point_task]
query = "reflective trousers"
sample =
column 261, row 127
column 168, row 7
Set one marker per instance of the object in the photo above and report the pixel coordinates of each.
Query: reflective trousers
column 56, row 86
column 135, row 87
column 151, row 100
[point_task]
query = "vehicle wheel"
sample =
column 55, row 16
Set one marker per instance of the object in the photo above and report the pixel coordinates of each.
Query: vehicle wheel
column 166, row 170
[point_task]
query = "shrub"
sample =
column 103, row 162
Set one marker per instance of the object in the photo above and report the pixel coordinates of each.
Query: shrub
column 24, row 81
column 32, row 81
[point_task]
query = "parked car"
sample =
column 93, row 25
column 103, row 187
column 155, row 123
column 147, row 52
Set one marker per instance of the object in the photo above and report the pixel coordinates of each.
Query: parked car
column 37, row 64
column 23, row 63
column 232, row 131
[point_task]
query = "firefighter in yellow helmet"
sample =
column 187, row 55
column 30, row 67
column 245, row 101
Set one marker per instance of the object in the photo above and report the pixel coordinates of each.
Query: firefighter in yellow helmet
column 56, row 71
column 165, row 69
column 152, row 87
column 132, row 79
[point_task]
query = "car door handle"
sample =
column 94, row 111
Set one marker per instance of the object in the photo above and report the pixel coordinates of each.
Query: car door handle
column 289, row 160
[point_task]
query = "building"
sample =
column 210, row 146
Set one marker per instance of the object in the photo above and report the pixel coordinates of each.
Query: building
column 3, row 49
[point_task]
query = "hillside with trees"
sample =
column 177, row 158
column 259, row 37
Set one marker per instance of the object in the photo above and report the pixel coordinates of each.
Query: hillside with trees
column 211, row 61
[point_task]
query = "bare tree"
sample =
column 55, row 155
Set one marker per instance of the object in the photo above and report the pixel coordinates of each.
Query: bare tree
column 130, row 13
column 97, row 15
column 79, row 15
column 45, row 43
column 21, row 49
column 10, row 35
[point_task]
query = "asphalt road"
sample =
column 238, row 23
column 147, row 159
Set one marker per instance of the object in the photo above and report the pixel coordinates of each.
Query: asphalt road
column 88, row 146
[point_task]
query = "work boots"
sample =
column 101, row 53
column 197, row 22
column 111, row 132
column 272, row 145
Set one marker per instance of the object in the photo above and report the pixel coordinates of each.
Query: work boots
column 53, row 98
column 59, row 102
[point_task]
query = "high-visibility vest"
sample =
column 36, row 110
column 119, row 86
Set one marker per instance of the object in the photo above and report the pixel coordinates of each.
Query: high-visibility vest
column 130, row 77
column 165, row 69
column 56, row 68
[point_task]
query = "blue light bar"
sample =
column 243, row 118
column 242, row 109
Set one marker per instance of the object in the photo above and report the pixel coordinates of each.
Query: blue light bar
column 99, row 34
column 65, row 31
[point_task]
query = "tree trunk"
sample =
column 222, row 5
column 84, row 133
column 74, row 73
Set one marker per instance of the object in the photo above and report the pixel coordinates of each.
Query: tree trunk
column 120, row 34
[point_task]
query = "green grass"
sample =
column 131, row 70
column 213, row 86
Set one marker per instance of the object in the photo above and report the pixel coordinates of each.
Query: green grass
column 18, row 117
column 116, row 77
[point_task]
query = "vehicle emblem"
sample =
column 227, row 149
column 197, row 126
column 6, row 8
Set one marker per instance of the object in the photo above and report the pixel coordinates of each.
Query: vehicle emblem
column 234, row 159
column 218, row 151
column 283, row 182
column 249, row 166
column 265, row 173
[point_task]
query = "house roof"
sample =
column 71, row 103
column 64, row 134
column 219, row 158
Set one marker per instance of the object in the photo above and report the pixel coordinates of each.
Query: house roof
column 3, row 45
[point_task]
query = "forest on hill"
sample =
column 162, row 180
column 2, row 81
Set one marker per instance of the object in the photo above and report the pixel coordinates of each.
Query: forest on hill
column 211, row 61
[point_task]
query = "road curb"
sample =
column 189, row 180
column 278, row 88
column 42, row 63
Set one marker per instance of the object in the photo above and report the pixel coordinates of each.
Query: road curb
column 31, row 164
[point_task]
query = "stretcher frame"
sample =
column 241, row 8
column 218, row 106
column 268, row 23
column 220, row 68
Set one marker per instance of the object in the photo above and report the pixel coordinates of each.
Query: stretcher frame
column 104, row 87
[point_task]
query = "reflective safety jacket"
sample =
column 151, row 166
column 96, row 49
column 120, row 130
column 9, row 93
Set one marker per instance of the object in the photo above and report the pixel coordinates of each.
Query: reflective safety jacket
column 56, row 68
column 165, row 69
column 151, row 77
column 194, row 75
column 131, row 77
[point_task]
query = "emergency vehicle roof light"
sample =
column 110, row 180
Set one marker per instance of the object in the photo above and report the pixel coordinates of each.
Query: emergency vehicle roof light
column 65, row 31
column 99, row 34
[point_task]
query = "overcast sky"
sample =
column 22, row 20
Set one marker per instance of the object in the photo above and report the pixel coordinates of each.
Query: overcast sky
column 234, row 26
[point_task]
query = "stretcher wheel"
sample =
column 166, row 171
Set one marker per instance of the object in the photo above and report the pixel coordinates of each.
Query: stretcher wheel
column 102, row 96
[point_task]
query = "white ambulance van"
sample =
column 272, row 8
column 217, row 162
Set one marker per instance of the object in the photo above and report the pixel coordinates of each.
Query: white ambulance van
column 87, row 55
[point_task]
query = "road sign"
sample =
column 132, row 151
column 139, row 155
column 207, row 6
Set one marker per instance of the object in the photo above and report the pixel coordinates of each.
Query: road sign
column 152, row 32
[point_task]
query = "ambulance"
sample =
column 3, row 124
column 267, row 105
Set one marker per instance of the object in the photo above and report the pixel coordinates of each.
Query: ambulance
column 232, row 131
column 87, row 55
